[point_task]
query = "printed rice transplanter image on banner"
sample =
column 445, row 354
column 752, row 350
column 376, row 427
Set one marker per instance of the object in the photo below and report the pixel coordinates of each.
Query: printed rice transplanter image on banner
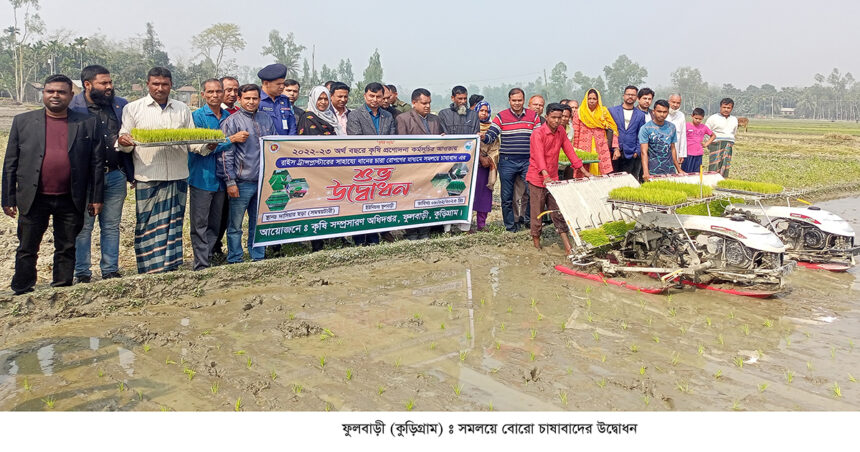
column 322, row 187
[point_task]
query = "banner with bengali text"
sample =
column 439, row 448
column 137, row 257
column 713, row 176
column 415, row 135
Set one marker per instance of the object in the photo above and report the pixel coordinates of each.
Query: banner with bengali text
column 316, row 187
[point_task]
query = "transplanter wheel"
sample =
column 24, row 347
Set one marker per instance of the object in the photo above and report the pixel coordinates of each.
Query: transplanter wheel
column 737, row 255
column 813, row 238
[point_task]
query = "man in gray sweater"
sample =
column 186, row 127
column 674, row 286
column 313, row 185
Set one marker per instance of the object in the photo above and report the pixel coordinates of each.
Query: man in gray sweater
column 239, row 168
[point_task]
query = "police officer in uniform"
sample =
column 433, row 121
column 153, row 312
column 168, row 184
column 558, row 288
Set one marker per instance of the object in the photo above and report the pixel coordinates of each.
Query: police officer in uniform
column 272, row 100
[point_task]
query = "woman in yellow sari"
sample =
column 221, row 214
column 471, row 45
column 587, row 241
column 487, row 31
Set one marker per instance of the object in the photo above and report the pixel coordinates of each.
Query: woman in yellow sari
column 591, row 125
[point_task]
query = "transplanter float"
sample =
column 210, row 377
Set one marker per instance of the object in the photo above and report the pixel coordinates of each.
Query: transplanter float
column 732, row 255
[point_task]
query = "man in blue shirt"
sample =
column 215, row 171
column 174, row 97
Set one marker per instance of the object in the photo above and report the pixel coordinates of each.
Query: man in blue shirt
column 207, row 191
column 657, row 140
column 273, row 102
column 629, row 120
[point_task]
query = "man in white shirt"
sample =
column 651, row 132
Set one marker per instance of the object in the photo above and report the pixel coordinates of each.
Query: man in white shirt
column 160, row 174
column 725, row 127
column 676, row 116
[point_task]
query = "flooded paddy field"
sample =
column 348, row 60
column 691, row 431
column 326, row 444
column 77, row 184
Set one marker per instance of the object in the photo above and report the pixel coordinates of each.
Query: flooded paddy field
column 488, row 326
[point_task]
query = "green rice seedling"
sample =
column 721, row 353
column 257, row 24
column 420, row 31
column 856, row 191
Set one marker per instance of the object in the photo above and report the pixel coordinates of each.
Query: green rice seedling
column 502, row 326
column 482, row 302
column 140, row 395
column 297, row 388
column 807, row 334
column 595, row 336
column 563, row 325
column 617, row 229
column 379, row 325
column 146, row 348
column 442, row 326
column 683, row 387
column 833, row 352
column 468, row 336
column 533, row 302
column 603, row 358
column 170, row 135
column 238, row 405
column 569, row 371
column 588, row 303
column 205, row 333
column 720, row 339
column 49, row 402
column 602, row 383
column 589, row 317
column 410, row 404
column 101, row 372
column 326, row 334
column 432, row 346
column 181, row 361
column 380, row 390
column 837, row 392
column 239, row 352
column 676, row 357
column 273, row 375
column 739, row 362
column 416, row 316
column 397, row 363
column 450, row 308
column 510, row 309
column 642, row 370
column 348, row 374
column 164, row 409
column 291, row 316
column 718, row 374
column 646, row 399
column 708, row 321
column 624, row 325
column 532, row 333
column 852, row 379
column 490, row 406
column 672, row 312
column 850, row 344
column 789, row 376
column 595, row 237
column 587, row 290
column 562, row 395
column 190, row 373
column 27, row 386
column 762, row 387
column 648, row 195
column 768, row 323
column 532, row 356
column 691, row 190
column 169, row 361
column 731, row 315
column 121, row 386
column 736, row 406
column 749, row 186
column 463, row 355
column 327, row 407
column 322, row 362
column 656, row 339
column 650, row 320
column 214, row 388
column 746, row 330
column 682, row 329
column 540, row 317
column 642, row 304
column 701, row 349
column 457, row 389
column 808, row 366
column 249, row 363
column 634, row 348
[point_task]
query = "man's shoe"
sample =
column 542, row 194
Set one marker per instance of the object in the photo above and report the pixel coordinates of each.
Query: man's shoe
column 111, row 275
column 22, row 292
column 83, row 279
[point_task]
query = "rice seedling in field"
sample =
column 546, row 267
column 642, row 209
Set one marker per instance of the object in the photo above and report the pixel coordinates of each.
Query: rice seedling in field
column 239, row 352
column 676, row 357
column 249, row 363
column 762, row 387
column 563, row 325
column 731, row 315
column 297, row 388
column 49, row 402
column 540, row 317
column 755, row 187
column 432, row 346
column 498, row 345
column 789, row 376
column 322, row 362
column 720, row 339
column 708, row 321
column 348, row 374
column 214, row 388
column 410, row 404
column 468, row 336
column 656, row 339
column 532, row 333
column 602, row 383
column 457, row 389
column 787, row 340
column 646, row 399
column 463, row 355
column 380, row 390
column 589, row 317
column 852, row 379
column 169, row 361
column 837, row 391
column 397, row 363
column 238, row 405
column 27, row 386
column 768, row 323
column 683, row 387
column 648, row 195
column 139, row 395
column 595, row 336
column 189, row 373
column 642, row 370
column 736, row 406
column 808, row 366
column 701, row 349
column 101, row 372
column 603, row 358
column 121, row 386
column 532, row 356
column 691, row 190
column 273, row 375
column 562, row 395
column 569, row 371
column 833, row 352
column 718, row 374
column 442, row 326
column 624, row 325
column 502, row 326
column 746, row 330
column 634, row 348
column 739, row 361
column 146, row 348
column 490, row 406
column 672, row 312
column 510, row 309
column 169, row 135
column 327, row 407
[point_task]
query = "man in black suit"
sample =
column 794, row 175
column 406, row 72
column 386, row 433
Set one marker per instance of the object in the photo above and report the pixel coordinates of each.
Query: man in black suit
column 54, row 167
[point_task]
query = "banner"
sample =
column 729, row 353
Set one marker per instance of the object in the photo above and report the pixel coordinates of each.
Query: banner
column 316, row 187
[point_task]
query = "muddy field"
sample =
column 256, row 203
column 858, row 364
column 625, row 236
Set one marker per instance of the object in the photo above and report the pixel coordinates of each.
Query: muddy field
column 471, row 324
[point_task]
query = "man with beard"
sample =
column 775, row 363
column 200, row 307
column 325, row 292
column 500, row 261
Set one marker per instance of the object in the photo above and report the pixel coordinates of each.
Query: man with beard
column 676, row 117
column 629, row 120
column 459, row 119
column 98, row 99
column 231, row 98
column 53, row 170
column 646, row 96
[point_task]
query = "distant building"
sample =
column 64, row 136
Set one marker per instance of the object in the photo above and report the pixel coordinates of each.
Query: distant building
column 786, row 111
column 33, row 92
column 185, row 94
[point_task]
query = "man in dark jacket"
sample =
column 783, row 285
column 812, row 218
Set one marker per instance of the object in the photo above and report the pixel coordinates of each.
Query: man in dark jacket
column 54, row 167
column 629, row 120
column 419, row 121
column 370, row 119
column 459, row 119
column 98, row 99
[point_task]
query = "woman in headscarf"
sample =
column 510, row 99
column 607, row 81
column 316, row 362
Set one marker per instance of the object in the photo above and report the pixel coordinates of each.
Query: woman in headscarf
column 487, row 163
column 591, row 125
column 319, row 118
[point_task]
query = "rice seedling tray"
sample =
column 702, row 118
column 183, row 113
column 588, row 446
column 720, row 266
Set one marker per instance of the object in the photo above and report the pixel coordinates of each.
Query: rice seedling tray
column 178, row 143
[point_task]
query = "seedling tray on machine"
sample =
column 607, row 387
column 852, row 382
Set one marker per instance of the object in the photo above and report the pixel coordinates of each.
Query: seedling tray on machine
column 178, row 143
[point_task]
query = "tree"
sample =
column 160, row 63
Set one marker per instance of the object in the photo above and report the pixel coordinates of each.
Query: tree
column 153, row 48
column 327, row 73
column 285, row 51
column 621, row 73
column 344, row 72
column 687, row 81
column 559, row 84
column 373, row 71
column 217, row 39
column 585, row 83
column 23, row 61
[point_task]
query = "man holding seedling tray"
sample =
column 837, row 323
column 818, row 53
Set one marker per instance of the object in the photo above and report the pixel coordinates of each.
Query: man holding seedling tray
column 160, row 173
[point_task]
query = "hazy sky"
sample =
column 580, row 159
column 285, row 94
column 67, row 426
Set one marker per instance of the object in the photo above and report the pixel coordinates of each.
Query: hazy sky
column 439, row 43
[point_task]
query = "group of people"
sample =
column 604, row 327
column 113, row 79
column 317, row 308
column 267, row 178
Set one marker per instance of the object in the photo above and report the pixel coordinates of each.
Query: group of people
column 74, row 160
